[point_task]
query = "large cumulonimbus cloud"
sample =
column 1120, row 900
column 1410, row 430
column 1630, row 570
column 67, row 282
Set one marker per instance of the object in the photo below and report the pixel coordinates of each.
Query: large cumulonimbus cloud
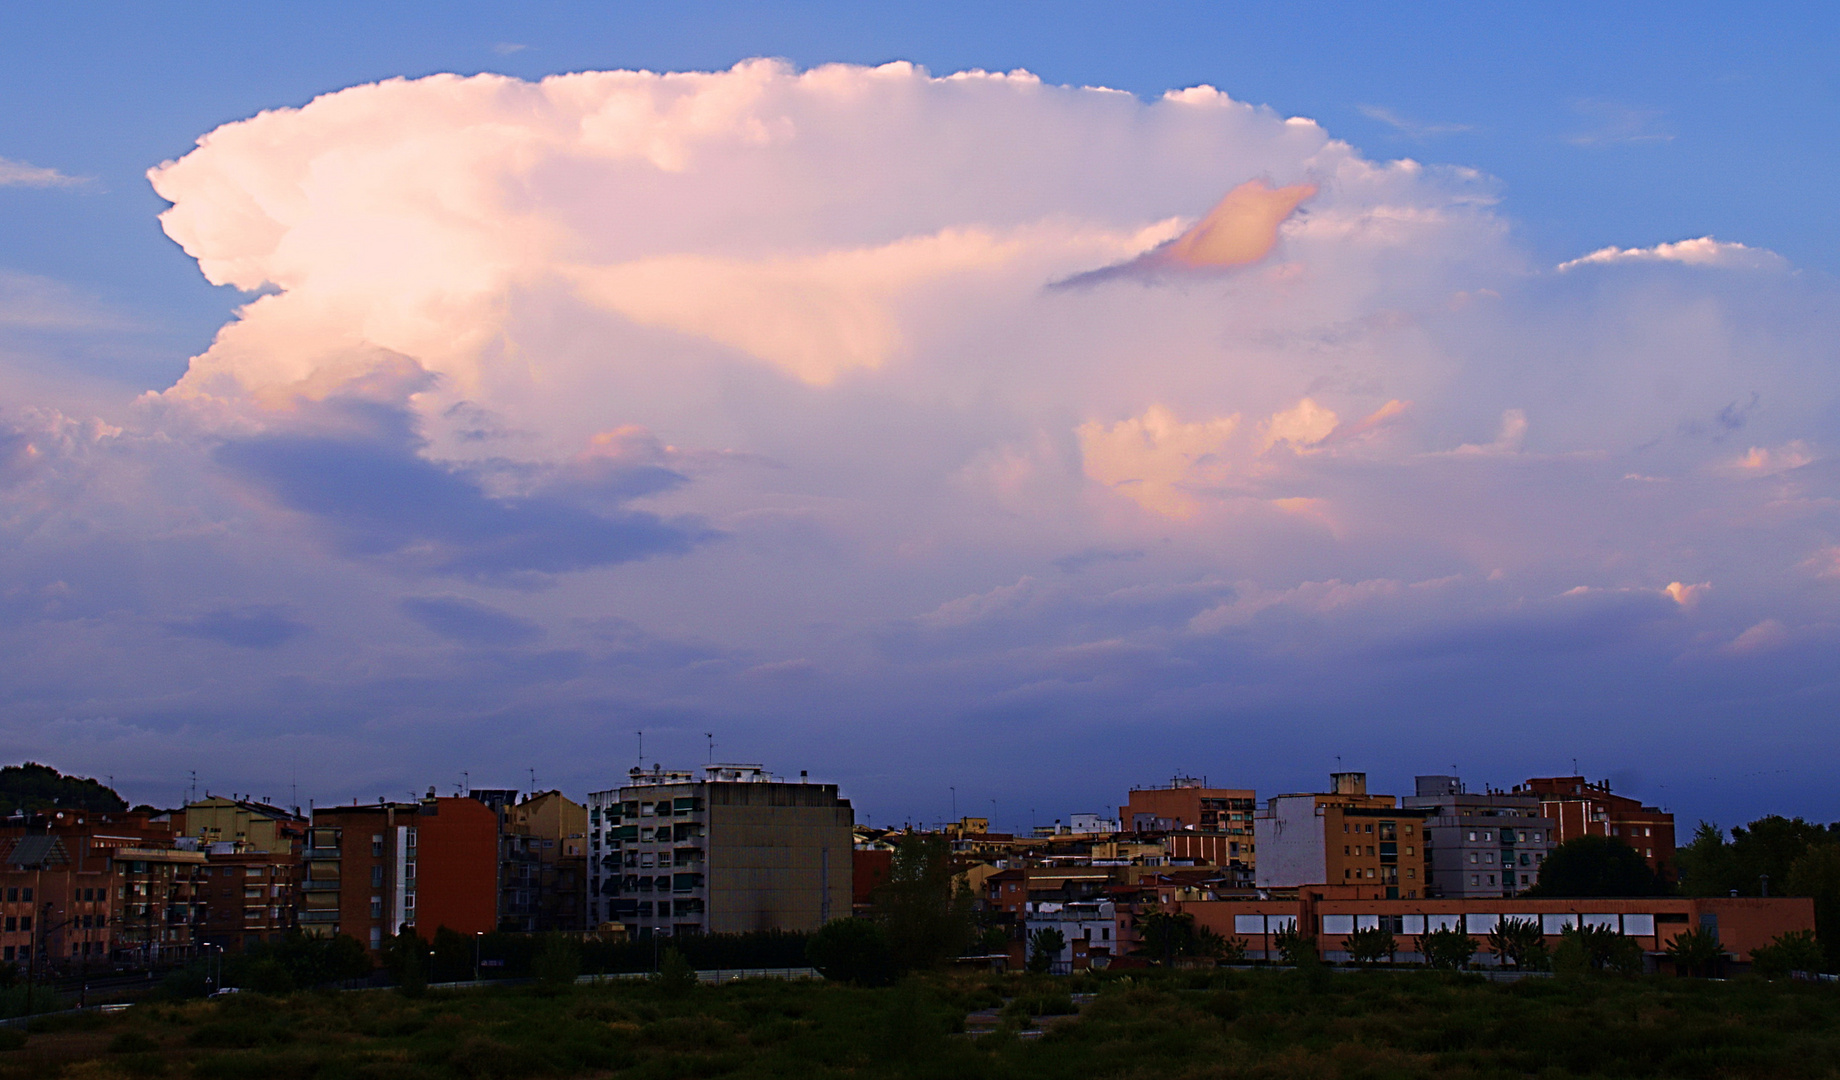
column 855, row 400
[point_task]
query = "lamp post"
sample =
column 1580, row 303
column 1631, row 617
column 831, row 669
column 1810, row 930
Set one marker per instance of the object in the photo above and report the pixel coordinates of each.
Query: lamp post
column 478, row 936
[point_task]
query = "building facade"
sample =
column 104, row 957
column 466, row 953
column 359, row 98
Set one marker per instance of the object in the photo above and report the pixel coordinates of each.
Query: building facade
column 732, row 851
column 375, row 869
column 1342, row 837
column 1480, row 845
column 1580, row 807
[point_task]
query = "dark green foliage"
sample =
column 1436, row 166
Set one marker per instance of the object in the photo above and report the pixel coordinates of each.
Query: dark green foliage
column 853, row 951
column 32, row 786
column 1371, row 946
column 558, row 963
column 1696, row 952
column 1448, row 948
column 1045, row 947
column 1597, row 948
column 1297, row 949
column 1214, row 1024
column 1816, row 873
column 406, row 957
column 1588, row 866
column 450, row 956
column 1165, row 936
column 131, row 1042
column 11, row 1039
column 1710, row 865
column 1798, row 950
column 1518, row 943
column 927, row 919
column 675, row 975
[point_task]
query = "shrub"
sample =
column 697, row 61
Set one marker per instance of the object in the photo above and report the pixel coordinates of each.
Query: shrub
column 675, row 975
column 1372, row 945
column 1519, row 943
column 1448, row 948
column 557, row 965
column 1297, row 948
column 1797, row 950
column 852, row 950
column 1696, row 952
column 131, row 1042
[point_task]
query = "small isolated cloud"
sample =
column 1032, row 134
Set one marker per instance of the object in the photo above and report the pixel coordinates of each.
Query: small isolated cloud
column 470, row 622
column 1687, row 595
column 1616, row 123
column 23, row 174
column 1767, row 461
column 1155, row 459
column 1703, row 251
column 1411, row 129
column 1508, row 438
column 256, row 626
column 508, row 48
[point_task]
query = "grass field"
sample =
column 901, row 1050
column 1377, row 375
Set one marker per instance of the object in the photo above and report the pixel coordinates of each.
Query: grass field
column 1164, row 1025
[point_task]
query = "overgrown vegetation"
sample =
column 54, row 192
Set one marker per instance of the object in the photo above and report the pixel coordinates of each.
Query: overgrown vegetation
column 32, row 786
column 1196, row 1023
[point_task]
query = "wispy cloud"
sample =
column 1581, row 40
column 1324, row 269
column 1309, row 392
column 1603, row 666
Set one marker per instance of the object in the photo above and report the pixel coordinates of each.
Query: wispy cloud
column 1614, row 122
column 1411, row 129
column 507, row 48
column 25, row 174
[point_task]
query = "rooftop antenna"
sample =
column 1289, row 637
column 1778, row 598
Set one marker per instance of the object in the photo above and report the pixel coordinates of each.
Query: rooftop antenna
column 466, row 782
column 194, row 797
column 954, row 792
column 641, row 735
column 533, row 781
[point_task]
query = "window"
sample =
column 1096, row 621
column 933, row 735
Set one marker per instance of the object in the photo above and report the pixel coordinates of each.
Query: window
column 1475, row 879
column 1345, row 849
column 1370, row 871
column 1411, row 873
column 376, row 907
column 376, row 877
column 1408, row 830
column 1370, row 826
column 1646, row 831
column 376, row 937
column 1472, row 858
column 1410, row 850
column 1491, row 879
column 1489, row 857
column 1472, row 834
column 12, row 895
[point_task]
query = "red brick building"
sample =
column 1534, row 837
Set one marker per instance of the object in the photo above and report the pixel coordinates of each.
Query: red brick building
column 1582, row 808
column 376, row 868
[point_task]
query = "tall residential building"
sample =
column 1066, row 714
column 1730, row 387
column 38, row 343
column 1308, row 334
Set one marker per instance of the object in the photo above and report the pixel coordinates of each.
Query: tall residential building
column 543, row 877
column 734, row 851
column 1342, row 837
column 376, row 868
column 1479, row 845
column 1583, row 808
column 1212, row 825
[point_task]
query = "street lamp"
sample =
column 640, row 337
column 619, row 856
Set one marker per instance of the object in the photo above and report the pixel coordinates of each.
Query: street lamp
column 478, row 935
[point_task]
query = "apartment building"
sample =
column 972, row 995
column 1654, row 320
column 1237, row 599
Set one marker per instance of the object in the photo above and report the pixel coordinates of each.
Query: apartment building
column 377, row 868
column 1480, row 845
column 733, row 850
column 247, row 896
column 1342, row 837
column 1188, row 803
column 250, row 825
column 1583, row 808
column 543, row 877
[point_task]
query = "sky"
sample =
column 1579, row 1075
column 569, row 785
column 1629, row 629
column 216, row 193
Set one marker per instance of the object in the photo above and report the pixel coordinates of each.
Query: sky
column 987, row 408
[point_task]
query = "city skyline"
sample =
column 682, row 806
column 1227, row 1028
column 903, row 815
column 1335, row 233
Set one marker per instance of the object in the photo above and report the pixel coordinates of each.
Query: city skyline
column 954, row 408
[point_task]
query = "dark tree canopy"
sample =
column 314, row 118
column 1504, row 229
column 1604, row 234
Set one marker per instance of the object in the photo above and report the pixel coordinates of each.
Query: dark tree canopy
column 1597, row 866
column 32, row 786
column 1711, row 865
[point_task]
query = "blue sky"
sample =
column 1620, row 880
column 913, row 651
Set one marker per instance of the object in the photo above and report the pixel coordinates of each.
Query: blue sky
column 612, row 563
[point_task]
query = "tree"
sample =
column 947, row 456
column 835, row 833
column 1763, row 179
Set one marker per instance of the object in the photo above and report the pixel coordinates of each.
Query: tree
column 1297, row 948
column 926, row 915
column 452, row 956
column 31, row 786
column 1797, row 950
column 852, row 950
column 1519, row 943
column 1817, row 874
column 1597, row 948
column 405, row 955
column 1588, row 866
column 1045, row 947
column 1447, row 947
column 557, row 964
column 1696, row 952
column 675, row 976
column 1768, row 848
column 1371, row 946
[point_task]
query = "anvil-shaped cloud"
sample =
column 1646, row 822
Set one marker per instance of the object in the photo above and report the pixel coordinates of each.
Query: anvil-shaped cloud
column 743, row 401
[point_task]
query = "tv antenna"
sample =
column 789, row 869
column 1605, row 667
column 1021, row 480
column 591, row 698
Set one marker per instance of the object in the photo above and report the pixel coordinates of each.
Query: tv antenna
column 711, row 736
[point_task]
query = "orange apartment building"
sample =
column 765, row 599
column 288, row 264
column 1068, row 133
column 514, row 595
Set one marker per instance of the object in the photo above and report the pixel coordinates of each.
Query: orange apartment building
column 1343, row 837
column 1741, row 923
column 376, row 868
column 1582, row 808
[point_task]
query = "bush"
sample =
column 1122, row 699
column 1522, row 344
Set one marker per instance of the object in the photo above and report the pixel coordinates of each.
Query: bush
column 1045, row 947
column 675, row 975
column 854, row 951
column 1297, row 948
column 1797, row 950
column 1448, row 948
column 1519, row 943
column 1696, row 952
column 1372, row 945
column 557, row 965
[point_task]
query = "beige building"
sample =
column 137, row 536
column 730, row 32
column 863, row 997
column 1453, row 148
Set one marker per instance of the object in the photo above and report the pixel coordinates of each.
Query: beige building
column 735, row 850
column 251, row 826
column 544, row 874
